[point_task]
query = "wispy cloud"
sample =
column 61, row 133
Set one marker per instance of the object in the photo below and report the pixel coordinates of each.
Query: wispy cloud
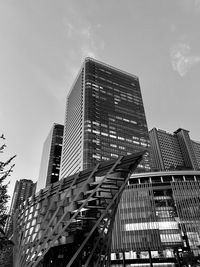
column 197, row 4
column 86, row 32
column 88, row 45
column 190, row 6
column 83, row 42
column 68, row 28
column 83, row 39
column 86, row 51
column 85, row 36
column 182, row 59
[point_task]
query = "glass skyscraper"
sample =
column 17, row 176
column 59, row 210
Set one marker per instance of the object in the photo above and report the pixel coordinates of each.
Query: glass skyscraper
column 51, row 155
column 105, row 118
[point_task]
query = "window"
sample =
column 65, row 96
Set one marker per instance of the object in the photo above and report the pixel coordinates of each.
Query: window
column 96, row 156
column 113, row 145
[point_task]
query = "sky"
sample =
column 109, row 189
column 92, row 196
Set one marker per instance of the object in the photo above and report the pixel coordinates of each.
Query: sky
column 44, row 42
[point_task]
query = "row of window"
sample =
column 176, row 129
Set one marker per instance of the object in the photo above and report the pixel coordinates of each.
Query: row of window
column 165, row 225
column 113, row 135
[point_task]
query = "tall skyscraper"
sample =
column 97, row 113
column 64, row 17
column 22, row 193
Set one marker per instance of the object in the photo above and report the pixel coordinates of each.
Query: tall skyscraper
column 173, row 151
column 105, row 118
column 51, row 157
column 24, row 188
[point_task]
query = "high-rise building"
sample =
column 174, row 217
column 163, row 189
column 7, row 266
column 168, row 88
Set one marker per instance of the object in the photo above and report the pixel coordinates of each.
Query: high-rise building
column 173, row 151
column 24, row 188
column 105, row 118
column 51, row 157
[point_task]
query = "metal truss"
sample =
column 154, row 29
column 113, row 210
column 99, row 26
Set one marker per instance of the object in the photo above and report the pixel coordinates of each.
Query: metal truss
column 85, row 205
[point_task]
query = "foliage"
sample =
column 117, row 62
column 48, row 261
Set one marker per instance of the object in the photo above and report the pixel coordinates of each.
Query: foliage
column 5, row 170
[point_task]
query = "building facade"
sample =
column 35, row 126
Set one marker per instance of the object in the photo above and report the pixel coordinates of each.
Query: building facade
column 24, row 188
column 157, row 222
column 105, row 118
column 51, row 157
column 173, row 151
column 159, row 218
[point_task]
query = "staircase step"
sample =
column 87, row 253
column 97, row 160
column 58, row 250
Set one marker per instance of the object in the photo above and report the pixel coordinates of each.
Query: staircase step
column 106, row 189
column 109, row 187
column 115, row 179
column 86, row 218
column 89, row 192
column 95, row 183
column 96, row 207
column 83, row 200
column 104, row 197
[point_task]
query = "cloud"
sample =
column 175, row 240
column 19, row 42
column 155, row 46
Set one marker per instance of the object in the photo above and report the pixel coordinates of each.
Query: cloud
column 86, row 51
column 83, row 36
column 69, row 28
column 181, row 58
column 190, row 6
column 83, row 39
column 197, row 4
column 90, row 45
column 86, row 32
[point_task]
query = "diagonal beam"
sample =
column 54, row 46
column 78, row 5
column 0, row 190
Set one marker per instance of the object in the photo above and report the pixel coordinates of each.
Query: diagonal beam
column 47, row 212
column 62, row 202
column 51, row 204
column 105, row 186
column 78, row 210
column 98, row 221
column 45, row 198
column 58, row 207
column 95, row 246
column 108, row 226
column 64, row 215
column 108, row 240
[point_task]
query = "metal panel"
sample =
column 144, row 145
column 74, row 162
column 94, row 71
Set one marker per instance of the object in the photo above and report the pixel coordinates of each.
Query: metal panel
column 83, row 205
column 136, row 227
column 187, row 199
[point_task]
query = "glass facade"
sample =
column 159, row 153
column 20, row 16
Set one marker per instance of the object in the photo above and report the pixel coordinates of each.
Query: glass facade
column 71, row 160
column 105, row 117
column 159, row 213
column 55, row 154
column 136, row 220
column 187, row 199
column 51, row 157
